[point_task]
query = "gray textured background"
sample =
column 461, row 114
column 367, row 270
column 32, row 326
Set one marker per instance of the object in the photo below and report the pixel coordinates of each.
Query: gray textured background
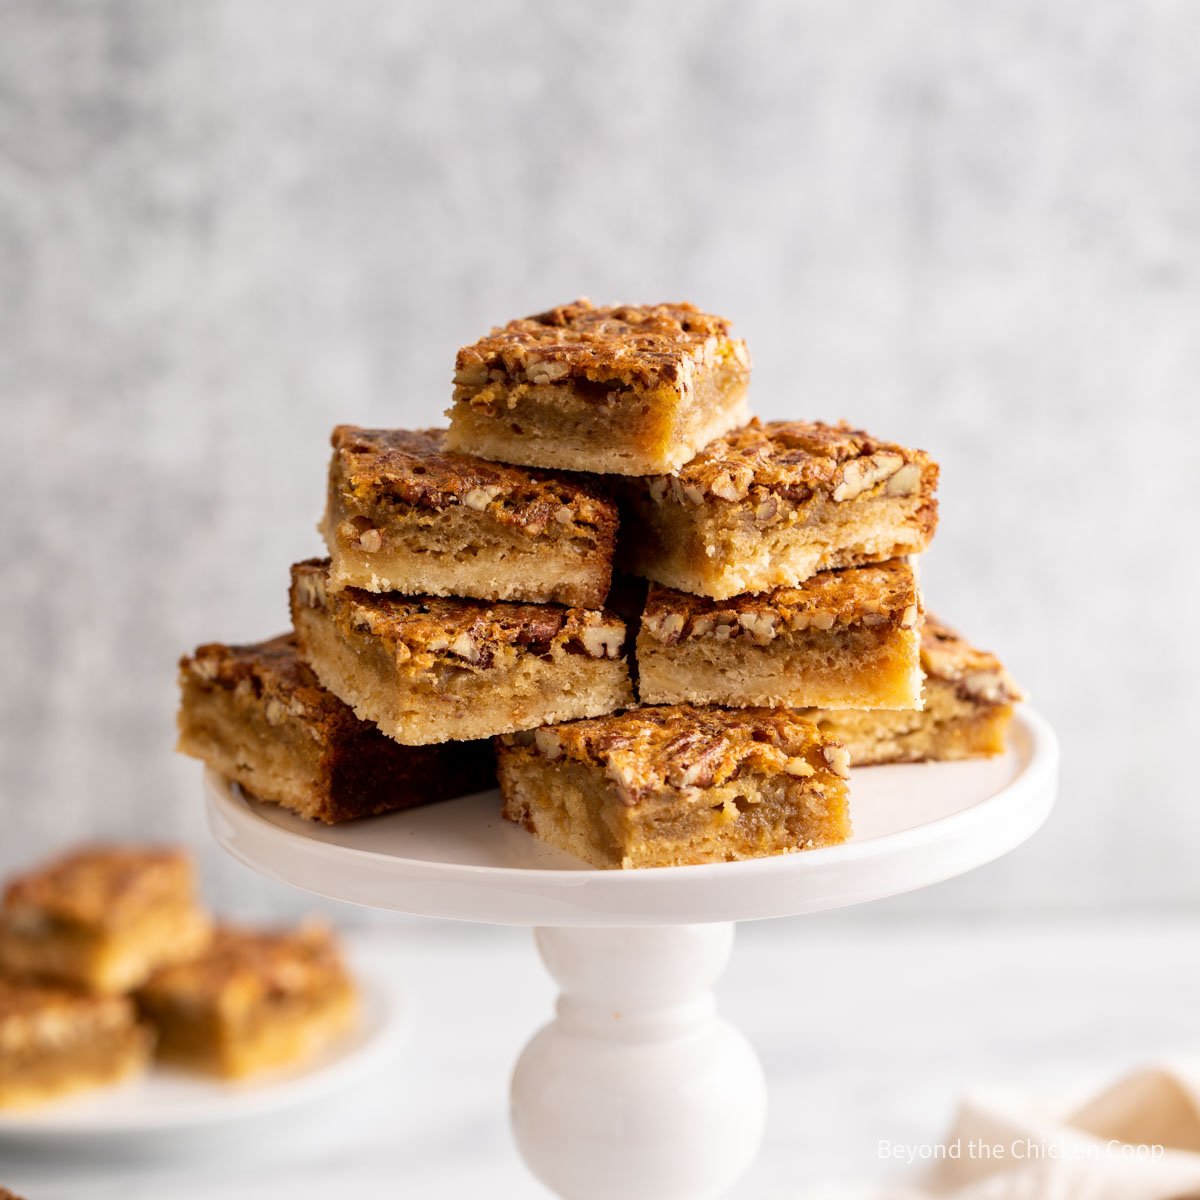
column 225, row 227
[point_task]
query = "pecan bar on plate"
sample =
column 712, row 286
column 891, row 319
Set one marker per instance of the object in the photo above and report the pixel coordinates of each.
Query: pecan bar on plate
column 407, row 515
column 771, row 504
column 258, row 715
column 56, row 1040
column 660, row 787
column 969, row 699
column 254, row 1000
column 842, row 639
column 432, row 670
column 630, row 390
column 102, row 917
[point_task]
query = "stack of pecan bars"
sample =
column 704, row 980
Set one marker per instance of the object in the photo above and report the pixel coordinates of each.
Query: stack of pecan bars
column 777, row 635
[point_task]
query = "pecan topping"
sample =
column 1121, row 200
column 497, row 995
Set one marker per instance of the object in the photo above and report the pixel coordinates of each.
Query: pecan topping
column 682, row 746
column 979, row 675
column 273, row 670
column 779, row 463
column 876, row 596
column 245, row 967
column 102, row 885
column 468, row 633
column 377, row 470
column 604, row 349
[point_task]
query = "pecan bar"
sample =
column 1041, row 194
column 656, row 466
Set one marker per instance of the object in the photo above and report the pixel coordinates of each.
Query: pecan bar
column 253, row 1001
column 102, row 917
column 969, row 699
column 407, row 515
column 258, row 715
column 771, row 504
column 842, row 639
column 659, row 787
column 434, row 670
column 631, row 390
column 55, row 1041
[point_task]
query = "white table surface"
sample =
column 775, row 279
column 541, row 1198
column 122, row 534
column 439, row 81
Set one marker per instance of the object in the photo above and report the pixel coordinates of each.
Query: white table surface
column 866, row 1030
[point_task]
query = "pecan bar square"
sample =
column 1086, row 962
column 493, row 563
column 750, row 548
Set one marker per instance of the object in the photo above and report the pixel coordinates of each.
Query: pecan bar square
column 842, row 639
column 407, row 515
column 434, row 670
column 102, row 917
column 969, row 699
column 660, row 787
column 255, row 1000
column 771, row 504
column 55, row 1041
column 630, row 390
column 258, row 715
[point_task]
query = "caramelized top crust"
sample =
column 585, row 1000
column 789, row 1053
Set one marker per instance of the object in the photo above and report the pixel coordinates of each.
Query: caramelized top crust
column 977, row 674
column 765, row 463
column 884, row 594
column 470, row 633
column 273, row 673
column 101, row 886
column 36, row 1014
column 412, row 467
column 243, row 968
column 683, row 746
column 642, row 345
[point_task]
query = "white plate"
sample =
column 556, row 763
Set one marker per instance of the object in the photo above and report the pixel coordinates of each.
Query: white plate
column 167, row 1109
column 914, row 825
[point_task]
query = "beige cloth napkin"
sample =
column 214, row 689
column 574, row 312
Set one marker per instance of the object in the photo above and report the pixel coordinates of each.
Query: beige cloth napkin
column 1137, row 1140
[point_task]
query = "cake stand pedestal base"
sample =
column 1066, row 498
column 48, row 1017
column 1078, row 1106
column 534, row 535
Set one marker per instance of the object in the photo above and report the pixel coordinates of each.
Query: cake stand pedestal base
column 637, row 1088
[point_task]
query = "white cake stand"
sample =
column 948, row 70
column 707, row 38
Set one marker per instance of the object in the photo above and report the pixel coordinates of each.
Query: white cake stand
column 637, row 1089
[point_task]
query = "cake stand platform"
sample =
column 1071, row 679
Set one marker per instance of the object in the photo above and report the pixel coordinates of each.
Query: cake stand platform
column 637, row 1088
